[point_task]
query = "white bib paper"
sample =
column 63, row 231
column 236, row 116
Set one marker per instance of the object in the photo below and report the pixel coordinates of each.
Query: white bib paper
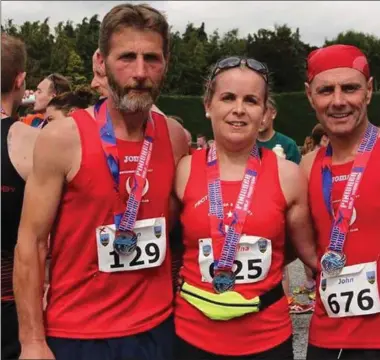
column 354, row 292
column 252, row 262
column 150, row 251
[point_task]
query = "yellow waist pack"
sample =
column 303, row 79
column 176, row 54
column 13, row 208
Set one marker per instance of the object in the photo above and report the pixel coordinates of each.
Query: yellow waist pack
column 225, row 306
column 230, row 304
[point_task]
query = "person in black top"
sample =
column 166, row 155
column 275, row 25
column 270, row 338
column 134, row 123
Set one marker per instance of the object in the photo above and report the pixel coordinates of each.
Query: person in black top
column 17, row 142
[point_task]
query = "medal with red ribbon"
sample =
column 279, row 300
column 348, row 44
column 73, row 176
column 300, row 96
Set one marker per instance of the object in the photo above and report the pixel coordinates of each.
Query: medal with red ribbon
column 125, row 238
column 334, row 260
column 224, row 278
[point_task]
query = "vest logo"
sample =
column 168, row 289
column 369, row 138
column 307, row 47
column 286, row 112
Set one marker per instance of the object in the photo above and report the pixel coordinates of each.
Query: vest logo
column 128, row 186
column 131, row 159
column 340, row 178
column 201, row 201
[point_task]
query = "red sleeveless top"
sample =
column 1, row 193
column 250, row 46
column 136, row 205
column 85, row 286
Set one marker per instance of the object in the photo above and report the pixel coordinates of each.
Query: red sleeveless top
column 83, row 302
column 251, row 333
column 362, row 245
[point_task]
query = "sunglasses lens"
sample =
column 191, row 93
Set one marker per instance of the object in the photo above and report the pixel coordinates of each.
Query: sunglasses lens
column 229, row 62
column 235, row 61
column 256, row 65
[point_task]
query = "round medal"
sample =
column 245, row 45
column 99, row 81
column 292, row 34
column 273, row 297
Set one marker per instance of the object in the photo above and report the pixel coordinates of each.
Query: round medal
column 223, row 281
column 333, row 262
column 125, row 242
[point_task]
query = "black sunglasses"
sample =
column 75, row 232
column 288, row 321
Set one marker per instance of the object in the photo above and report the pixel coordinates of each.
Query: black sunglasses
column 235, row 61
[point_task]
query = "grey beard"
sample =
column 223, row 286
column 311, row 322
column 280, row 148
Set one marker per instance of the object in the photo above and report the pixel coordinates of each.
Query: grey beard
column 133, row 104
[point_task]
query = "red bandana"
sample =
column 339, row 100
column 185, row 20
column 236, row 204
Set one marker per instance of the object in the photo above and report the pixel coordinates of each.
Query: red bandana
column 336, row 56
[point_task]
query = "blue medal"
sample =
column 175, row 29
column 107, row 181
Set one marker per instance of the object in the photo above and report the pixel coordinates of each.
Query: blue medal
column 223, row 281
column 125, row 242
column 333, row 262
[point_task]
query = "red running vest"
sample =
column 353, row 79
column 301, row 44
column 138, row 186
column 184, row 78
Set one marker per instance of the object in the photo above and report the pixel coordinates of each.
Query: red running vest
column 362, row 245
column 251, row 333
column 83, row 302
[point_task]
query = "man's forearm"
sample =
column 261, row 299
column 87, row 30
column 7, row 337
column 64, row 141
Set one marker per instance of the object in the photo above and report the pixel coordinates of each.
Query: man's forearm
column 302, row 236
column 28, row 279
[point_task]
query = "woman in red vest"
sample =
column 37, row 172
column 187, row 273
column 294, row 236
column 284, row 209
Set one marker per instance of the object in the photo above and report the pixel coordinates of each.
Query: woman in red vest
column 237, row 202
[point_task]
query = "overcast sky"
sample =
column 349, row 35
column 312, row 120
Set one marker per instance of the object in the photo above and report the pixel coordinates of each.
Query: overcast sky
column 317, row 20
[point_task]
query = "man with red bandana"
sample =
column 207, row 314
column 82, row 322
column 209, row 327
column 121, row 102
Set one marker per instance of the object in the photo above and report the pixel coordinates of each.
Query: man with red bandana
column 344, row 188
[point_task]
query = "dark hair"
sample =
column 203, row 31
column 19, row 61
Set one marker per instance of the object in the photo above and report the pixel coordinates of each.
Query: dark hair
column 59, row 84
column 13, row 61
column 211, row 82
column 317, row 134
column 141, row 17
column 81, row 98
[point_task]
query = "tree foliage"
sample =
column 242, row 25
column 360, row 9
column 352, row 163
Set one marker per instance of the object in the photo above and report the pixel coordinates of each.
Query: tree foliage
column 68, row 49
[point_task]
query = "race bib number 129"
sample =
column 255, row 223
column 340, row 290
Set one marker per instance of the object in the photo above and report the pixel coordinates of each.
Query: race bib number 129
column 150, row 251
column 354, row 292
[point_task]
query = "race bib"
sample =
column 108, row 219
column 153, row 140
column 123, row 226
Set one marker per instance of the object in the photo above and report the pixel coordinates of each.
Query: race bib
column 354, row 292
column 150, row 251
column 252, row 263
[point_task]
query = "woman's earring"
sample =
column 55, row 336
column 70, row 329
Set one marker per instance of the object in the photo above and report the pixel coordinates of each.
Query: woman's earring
column 207, row 115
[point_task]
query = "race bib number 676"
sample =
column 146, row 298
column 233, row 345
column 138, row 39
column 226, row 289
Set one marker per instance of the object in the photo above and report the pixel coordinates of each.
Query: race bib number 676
column 354, row 292
column 150, row 251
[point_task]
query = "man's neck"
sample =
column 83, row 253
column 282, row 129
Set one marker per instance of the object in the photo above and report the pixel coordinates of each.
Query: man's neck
column 266, row 135
column 6, row 106
column 345, row 147
column 127, row 126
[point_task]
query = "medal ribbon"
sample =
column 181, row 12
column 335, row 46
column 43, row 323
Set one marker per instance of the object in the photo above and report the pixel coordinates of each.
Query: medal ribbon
column 342, row 219
column 124, row 221
column 216, row 212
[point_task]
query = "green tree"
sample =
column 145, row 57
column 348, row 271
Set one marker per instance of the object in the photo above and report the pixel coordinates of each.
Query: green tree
column 87, row 35
column 284, row 53
column 76, row 69
column 39, row 43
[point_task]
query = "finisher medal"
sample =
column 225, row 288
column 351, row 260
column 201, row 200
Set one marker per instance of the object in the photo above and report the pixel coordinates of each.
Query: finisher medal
column 125, row 242
column 223, row 281
column 333, row 262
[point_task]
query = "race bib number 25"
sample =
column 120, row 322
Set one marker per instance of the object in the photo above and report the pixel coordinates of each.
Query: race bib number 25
column 150, row 251
column 354, row 292
column 252, row 262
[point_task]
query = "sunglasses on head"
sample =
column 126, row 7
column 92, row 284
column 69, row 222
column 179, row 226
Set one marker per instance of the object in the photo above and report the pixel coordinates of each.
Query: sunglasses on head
column 235, row 61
